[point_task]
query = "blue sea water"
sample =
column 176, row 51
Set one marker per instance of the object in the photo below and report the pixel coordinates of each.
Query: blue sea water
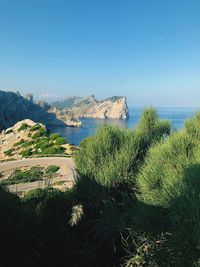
column 177, row 116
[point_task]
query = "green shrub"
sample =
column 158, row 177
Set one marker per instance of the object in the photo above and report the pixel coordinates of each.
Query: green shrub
column 53, row 150
column 193, row 126
column 24, row 126
column 52, row 169
column 19, row 143
column 9, row 152
column 26, row 153
column 36, row 127
column 60, row 141
column 170, row 180
column 42, row 144
column 151, row 127
column 34, row 174
column 27, row 144
column 54, row 136
column 112, row 155
column 41, row 132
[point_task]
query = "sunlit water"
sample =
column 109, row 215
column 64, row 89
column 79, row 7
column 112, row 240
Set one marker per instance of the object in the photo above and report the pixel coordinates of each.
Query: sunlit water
column 177, row 116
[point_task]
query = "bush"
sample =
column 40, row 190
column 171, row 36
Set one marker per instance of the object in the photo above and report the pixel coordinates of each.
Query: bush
column 52, row 169
column 26, row 153
column 53, row 150
column 24, row 126
column 34, row 174
column 9, row 152
column 41, row 132
column 19, row 143
column 36, row 127
column 170, row 180
column 60, row 141
column 27, row 144
column 54, row 136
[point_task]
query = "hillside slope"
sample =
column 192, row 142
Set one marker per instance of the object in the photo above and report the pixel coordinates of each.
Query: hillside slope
column 14, row 108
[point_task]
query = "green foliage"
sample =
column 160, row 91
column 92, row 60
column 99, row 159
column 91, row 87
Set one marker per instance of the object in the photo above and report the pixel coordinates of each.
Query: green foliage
column 26, row 153
column 53, row 150
column 54, row 136
column 36, row 127
column 27, row 144
column 39, row 133
column 43, row 144
column 9, row 152
column 34, row 174
column 24, row 126
column 151, row 127
column 52, row 169
column 19, row 143
column 103, row 154
column 170, row 180
column 135, row 202
column 113, row 155
column 60, row 141
column 193, row 126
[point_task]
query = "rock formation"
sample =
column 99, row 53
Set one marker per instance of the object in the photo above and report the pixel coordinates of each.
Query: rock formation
column 110, row 108
column 14, row 108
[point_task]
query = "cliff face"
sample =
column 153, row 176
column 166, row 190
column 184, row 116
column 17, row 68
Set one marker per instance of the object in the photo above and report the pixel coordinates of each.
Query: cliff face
column 110, row 108
column 14, row 108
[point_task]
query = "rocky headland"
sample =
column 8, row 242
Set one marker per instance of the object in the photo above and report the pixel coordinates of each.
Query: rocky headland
column 14, row 108
column 89, row 107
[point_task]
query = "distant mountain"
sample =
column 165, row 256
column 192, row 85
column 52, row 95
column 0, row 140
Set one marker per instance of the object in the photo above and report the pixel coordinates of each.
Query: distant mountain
column 14, row 108
column 114, row 107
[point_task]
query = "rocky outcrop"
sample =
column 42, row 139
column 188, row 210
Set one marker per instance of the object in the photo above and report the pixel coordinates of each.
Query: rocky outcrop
column 88, row 107
column 64, row 115
column 68, row 117
column 14, row 108
column 12, row 135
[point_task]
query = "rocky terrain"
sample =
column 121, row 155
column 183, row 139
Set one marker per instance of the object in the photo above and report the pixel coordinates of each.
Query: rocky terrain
column 14, row 108
column 110, row 108
column 27, row 138
column 62, row 114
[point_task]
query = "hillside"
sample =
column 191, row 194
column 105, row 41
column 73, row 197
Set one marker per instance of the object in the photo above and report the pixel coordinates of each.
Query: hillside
column 110, row 108
column 27, row 138
column 14, row 108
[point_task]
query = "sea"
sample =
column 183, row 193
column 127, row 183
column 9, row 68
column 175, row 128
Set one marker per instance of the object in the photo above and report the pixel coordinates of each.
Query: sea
column 73, row 135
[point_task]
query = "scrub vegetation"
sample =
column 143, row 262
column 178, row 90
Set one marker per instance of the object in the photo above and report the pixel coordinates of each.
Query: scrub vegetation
column 135, row 202
column 41, row 142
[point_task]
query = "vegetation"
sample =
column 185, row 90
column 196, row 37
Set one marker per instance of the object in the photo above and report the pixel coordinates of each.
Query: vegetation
column 41, row 142
column 135, row 203
column 19, row 143
column 52, row 169
column 9, row 152
column 34, row 174
column 31, row 175
column 24, row 126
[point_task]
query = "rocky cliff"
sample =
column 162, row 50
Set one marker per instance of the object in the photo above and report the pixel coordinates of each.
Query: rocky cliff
column 110, row 108
column 62, row 114
column 14, row 108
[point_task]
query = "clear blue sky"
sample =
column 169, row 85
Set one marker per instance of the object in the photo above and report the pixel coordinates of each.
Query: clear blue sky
column 148, row 50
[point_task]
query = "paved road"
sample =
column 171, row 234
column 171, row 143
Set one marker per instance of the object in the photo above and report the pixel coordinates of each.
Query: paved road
column 66, row 172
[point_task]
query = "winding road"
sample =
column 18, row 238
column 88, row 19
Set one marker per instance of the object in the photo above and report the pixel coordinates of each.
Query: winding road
column 66, row 172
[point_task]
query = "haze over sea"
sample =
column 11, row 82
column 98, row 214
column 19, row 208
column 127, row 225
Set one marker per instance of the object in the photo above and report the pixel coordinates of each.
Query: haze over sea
column 177, row 116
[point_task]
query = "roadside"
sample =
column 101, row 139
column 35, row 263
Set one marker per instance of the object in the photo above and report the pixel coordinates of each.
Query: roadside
column 66, row 172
